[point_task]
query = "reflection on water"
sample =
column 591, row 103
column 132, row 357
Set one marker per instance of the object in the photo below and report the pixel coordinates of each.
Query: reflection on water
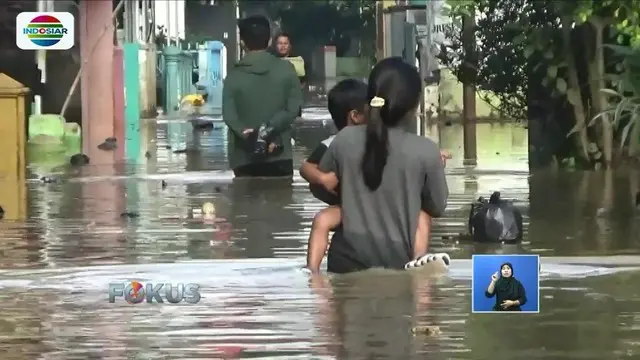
column 257, row 304
column 500, row 146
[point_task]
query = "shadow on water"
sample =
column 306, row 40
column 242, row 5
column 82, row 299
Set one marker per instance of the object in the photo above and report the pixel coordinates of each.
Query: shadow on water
column 56, row 266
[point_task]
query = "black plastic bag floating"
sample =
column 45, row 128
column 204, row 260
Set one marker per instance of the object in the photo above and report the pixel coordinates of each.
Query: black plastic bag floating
column 495, row 220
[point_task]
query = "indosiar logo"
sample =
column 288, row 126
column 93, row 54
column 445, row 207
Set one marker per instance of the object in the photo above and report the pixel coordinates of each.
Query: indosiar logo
column 45, row 31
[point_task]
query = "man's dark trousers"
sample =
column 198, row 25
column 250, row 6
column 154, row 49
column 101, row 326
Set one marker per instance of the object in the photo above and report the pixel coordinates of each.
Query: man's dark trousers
column 280, row 168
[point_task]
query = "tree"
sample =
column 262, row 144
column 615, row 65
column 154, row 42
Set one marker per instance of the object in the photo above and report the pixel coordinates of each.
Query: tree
column 496, row 48
column 519, row 40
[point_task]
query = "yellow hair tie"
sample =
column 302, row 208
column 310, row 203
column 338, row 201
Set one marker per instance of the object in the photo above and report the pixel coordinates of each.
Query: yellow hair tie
column 376, row 102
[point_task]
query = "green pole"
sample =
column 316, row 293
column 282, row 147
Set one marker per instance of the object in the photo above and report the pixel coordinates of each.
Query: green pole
column 173, row 94
column 131, row 53
column 186, row 76
column 172, row 79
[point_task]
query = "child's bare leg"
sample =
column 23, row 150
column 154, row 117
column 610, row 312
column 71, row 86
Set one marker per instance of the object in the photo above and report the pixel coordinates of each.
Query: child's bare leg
column 423, row 234
column 323, row 223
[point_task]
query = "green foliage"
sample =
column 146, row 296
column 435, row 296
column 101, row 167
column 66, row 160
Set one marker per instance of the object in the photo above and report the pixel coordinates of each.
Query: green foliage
column 627, row 22
column 517, row 38
column 625, row 112
column 630, row 78
column 502, row 65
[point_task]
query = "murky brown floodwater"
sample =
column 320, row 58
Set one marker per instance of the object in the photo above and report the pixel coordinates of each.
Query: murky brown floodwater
column 257, row 304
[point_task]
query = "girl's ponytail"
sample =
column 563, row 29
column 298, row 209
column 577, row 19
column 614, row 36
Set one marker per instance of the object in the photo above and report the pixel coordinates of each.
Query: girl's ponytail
column 376, row 145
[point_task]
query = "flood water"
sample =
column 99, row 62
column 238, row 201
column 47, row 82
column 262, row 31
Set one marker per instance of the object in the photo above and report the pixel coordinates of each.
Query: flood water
column 256, row 303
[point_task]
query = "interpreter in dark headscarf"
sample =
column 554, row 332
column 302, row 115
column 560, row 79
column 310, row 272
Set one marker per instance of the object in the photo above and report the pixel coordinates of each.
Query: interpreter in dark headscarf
column 509, row 292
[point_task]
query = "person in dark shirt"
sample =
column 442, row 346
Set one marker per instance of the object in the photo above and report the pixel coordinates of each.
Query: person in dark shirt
column 509, row 292
column 346, row 103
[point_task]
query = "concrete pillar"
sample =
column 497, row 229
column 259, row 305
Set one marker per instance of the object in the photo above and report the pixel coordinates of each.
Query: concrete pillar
column 469, row 116
column 148, row 65
column 185, row 74
column 326, row 63
column 96, row 52
column 172, row 79
column 215, row 73
column 118, row 99
column 97, row 92
column 173, row 95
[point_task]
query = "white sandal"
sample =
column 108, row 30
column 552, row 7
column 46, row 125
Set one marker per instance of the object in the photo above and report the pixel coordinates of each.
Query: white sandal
column 425, row 259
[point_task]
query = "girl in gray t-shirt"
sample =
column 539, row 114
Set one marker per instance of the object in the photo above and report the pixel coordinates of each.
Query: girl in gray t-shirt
column 386, row 175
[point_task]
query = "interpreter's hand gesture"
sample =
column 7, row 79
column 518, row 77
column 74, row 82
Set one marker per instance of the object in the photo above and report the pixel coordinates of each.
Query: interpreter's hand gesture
column 495, row 277
column 507, row 304
column 329, row 182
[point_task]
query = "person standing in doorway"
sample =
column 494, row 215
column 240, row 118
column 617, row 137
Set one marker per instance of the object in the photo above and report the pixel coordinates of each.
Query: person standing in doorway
column 283, row 51
column 261, row 99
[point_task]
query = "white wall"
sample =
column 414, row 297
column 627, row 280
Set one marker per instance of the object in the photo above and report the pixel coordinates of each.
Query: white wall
column 171, row 15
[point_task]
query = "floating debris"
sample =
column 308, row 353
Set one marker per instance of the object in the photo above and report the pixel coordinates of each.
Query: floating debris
column 208, row 208
column 109, row 144
column 130, row 215
column 428, row 330
column 202, row 125
column 206, row 211
column 187, row 151
column 48, row 180
column 79, row 160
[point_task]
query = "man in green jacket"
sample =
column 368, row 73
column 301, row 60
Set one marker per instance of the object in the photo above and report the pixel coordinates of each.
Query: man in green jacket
column 261, row 99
